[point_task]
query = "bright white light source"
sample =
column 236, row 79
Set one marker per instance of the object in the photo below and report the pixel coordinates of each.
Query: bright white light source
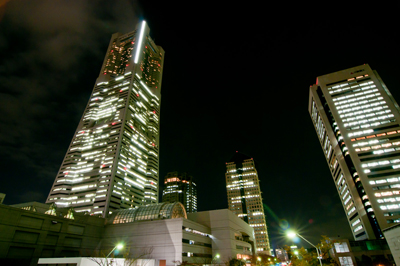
column 139, row 45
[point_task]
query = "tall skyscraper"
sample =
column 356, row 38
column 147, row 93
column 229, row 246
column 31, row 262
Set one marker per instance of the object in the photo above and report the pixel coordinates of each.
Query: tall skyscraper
column 357, row 123
column 244, row 197
column 180, row 187
column 112, row 161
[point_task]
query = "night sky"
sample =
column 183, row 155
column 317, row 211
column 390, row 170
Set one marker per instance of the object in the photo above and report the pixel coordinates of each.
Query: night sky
column 236, row 78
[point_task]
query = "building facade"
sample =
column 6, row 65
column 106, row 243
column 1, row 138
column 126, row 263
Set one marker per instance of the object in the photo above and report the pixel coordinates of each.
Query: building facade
column 244, row 197
column 161, row 232
column 112, row 162
column 365, row 252
column 357, row 123
column 281, row 254
column 180, row 187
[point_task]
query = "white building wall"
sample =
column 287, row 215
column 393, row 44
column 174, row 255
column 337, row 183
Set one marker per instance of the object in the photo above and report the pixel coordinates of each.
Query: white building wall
column 163, row 236
column 392, row 236
column 224, row 224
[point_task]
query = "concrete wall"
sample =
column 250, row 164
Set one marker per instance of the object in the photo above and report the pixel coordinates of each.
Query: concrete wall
column 162, row 237
column 201, row 249
column 392, row 236
column 224, row 225
column 25, row 236
column 81, row 261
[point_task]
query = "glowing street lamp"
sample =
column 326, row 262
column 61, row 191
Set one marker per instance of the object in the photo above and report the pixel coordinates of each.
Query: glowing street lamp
column 119, row 247
column 292, row 234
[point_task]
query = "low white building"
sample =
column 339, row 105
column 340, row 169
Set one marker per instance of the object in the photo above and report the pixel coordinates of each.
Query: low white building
column 162, row 233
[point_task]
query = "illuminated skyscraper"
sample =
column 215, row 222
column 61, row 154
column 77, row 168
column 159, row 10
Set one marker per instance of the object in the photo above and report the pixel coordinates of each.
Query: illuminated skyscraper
column 244, row 197
column 357, row 123
column 180, row 187
column 112, row 161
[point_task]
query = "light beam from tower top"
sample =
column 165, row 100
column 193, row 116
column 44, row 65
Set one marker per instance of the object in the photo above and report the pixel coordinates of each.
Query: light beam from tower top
column 139, row 47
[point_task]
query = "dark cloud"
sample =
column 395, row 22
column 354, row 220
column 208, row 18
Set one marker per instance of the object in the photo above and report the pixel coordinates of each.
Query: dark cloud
column 235, row 78
column 51, row 53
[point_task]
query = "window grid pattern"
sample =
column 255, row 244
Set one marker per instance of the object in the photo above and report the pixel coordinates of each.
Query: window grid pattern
column 112, row 161
column 245, row 200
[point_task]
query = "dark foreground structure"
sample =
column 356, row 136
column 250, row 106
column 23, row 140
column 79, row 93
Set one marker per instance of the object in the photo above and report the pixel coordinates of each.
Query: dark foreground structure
column 162, row 232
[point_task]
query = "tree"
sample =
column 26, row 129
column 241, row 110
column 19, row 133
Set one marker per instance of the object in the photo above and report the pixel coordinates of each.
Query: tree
column 304, row 257
column 99, row 257
column 234, row 262
column 325, row 246
column 137, row 257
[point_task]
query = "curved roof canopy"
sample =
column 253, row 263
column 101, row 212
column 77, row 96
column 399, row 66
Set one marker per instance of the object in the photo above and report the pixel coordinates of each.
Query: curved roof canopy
column 151, row 212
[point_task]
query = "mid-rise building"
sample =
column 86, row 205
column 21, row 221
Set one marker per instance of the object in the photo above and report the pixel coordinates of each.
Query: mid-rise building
column 112, row 162
column 180, row 187
column 357, row 123
column 244, row 197
column 348, row 253
column 281, row 254
column 162, row 233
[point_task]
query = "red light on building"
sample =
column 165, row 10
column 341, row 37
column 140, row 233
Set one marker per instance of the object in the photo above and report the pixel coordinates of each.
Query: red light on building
column 120, row 90
column 153, row 144
column 137, row 95
column 154, row 111
column 113, row 123
column 124, row 168
column 127, row 64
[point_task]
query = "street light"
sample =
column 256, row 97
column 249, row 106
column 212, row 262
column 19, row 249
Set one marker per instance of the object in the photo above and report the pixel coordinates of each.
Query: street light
column 292, row 234
column 119, row 247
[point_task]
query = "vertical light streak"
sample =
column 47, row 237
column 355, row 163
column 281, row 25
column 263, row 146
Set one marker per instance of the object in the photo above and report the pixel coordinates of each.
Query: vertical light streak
column 138, row 49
